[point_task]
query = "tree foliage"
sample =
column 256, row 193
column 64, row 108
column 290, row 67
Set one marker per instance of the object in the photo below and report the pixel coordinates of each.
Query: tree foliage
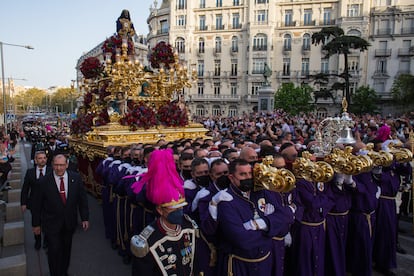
column 403, row 89
column 32, row 97
column 293, row 99
column 64, row 98
column 334, row 41
column 364, row 101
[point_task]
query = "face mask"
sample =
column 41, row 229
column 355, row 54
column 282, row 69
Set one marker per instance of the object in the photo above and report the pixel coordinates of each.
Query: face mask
column 186, row 174
column 51, row 143
column 203, row 180
column 110, row 155
column 253, row 163
column 136, row 161
column 377, row 170
column 127, row 160
column 223, row 182
column 176, row 217
column 117, row 157
column 246, row 185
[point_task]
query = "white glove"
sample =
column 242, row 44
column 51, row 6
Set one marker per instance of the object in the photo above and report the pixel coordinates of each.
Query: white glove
column 255, row 224
column 223, row 195
column 212, row 209
column 202, row 193
column 288, row 240
column 348, row 179
column 269, row 209
column 289, row 199
column 377, row 195
column 340, row 178
column 249, row 225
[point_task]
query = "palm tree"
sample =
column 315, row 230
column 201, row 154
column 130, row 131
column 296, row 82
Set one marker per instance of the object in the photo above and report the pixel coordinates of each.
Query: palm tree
column 335, row 41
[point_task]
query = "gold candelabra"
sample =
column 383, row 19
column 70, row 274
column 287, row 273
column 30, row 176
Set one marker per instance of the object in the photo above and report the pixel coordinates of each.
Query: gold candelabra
column 333, row 131
column 127, row 75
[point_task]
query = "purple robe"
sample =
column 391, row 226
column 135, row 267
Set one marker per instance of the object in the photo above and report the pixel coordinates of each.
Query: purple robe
column 206, row 257
column 337, row 230
column 308, row 234
column 385, row 242
column 102, row 170
column 236, row 242
column 278, row 242
column 361, row 225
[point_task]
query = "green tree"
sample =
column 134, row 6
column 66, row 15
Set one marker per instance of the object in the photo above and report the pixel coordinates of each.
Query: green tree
column 64, row 99
column 30, row 98
column 335, row 41
column 403, row 90
column 364, row 101
column 294, row 99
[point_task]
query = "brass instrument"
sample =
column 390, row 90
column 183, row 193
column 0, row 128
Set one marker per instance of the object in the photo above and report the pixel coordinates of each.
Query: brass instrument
column 319, row 171
column 270, row 178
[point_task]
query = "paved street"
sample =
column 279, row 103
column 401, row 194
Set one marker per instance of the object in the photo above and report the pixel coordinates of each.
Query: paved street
column 92, row 255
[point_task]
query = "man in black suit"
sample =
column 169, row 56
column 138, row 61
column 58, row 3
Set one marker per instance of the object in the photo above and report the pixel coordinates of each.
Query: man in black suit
column 51, row 149
column 61, row 194
column 30, row 185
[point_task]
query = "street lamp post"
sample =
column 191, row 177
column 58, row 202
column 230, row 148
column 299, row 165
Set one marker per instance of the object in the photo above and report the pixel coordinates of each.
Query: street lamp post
column 2, row 78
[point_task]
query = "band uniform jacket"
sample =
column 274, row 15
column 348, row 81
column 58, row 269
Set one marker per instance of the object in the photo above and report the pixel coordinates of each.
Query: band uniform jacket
column 30, row 185
column 165, row 254
column 49, row 209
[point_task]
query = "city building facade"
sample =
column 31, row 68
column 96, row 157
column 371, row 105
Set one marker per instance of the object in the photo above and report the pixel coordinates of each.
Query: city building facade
column 229, row 43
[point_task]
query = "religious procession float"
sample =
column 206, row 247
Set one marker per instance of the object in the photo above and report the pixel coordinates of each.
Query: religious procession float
column 125, row 103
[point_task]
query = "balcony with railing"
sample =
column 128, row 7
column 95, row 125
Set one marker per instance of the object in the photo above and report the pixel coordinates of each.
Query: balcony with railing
column 382, row 52
column 380, row 74
column 236, row 26
column 162, row 31
column 217, row 51
column 234, row 50
column 289, row 24
column 406, row 52
column 257, row 71
column 328, row 22
column 384, row 31
column 200, row 52
column 251, row 98
column 260, row 48
column 215, row 98
column 287, row 49
column 218, row 27
column 309, row 23
column 306, row 49
column 407, row 30
column 202, row 28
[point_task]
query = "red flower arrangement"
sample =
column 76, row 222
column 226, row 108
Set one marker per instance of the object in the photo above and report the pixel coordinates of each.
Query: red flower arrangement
column 82, row 124
column 103, row 118
column 87, row 99
column 162, row 53
column 171, row 115
column 111, row 44
column 140, row 116
column 91, row 68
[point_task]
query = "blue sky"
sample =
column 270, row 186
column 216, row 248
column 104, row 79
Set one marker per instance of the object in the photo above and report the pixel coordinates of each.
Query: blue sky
column 60, row 31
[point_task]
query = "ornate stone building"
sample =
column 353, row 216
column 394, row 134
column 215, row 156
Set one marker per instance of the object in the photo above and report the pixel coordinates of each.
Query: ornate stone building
column 228, row 42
